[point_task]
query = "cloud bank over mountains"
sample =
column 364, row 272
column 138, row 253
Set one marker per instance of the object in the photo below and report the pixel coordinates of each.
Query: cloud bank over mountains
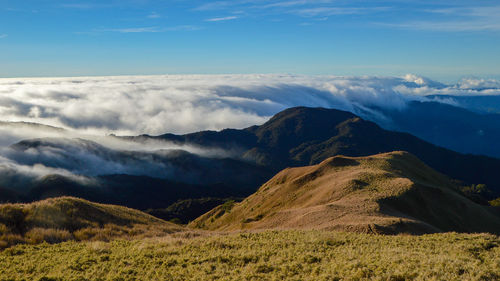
column 83, row 111
column 188, row 103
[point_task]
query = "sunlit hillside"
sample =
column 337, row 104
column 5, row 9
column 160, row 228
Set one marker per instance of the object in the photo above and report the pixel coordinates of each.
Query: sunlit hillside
column 385, row 193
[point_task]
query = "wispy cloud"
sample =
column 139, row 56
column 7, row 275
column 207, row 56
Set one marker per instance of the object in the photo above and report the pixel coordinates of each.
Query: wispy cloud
column 253, row 4
column 83, row 6
column 217, row 5
column 135, row 30
column 183, row 28
column 154, row 15
column 302, row 8
column 2, row 36
column 330, row 11
column 458, row 19
column 151, row 29
column 451, row 26
column 292, row 3
column 222, row 18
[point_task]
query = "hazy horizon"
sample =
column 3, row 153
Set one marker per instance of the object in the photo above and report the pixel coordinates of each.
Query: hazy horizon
column 449, row 81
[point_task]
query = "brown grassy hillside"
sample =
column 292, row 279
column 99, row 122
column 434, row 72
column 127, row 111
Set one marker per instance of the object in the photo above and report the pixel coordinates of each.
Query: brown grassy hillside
column 385, row 193
column 67, row 218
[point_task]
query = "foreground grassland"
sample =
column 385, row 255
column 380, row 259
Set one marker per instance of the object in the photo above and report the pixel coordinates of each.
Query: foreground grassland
column 271, row 255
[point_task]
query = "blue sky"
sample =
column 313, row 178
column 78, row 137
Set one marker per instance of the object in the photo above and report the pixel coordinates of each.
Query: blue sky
column 444, row 41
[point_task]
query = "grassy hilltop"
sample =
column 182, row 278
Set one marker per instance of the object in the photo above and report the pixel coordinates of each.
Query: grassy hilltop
column 385, row 193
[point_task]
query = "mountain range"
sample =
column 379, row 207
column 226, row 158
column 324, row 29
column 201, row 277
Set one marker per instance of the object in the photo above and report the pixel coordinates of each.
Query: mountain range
column 449, row 125
column 155, row 179
column 303, row 136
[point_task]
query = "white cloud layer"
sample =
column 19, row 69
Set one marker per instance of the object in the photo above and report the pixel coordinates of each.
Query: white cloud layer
column 90, row 108
column 188, row 103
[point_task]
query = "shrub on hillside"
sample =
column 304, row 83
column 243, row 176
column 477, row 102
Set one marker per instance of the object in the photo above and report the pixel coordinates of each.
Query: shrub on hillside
column 49, row 235
column 13, row 216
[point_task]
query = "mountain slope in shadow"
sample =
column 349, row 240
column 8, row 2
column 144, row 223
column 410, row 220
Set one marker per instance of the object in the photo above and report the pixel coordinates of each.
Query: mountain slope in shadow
column 386, row 193
column 453, row 127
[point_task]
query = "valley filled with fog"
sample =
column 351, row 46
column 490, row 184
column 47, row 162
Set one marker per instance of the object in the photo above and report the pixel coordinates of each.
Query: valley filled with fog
column 69, row 126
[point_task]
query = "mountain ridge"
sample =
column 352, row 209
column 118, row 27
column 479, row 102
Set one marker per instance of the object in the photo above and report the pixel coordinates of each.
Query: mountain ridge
column 296, row 137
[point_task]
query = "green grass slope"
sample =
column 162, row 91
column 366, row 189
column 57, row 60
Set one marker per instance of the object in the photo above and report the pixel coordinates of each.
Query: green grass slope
column 67, row 218
column 386, row 193
column 270, row 255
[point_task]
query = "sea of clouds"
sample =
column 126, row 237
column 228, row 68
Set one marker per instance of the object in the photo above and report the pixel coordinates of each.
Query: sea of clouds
column 91, row 108
column 187, row 103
